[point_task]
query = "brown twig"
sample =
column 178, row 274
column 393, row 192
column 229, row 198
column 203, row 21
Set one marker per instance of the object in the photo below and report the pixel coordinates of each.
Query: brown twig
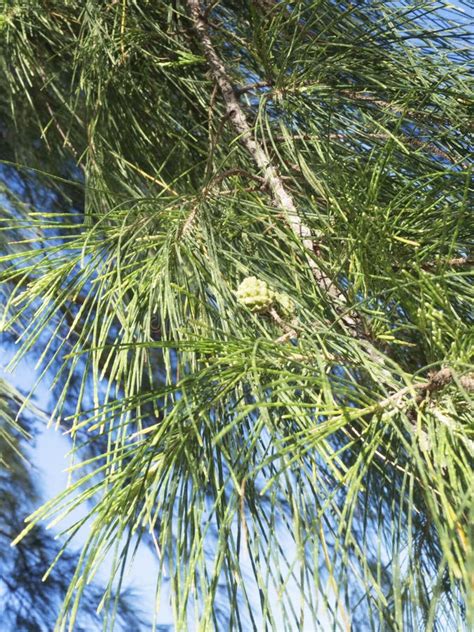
column 436, row 382
column 214, row 181
column 290, row 332
column 228, row 173
column 252, row 86
column 455, row 262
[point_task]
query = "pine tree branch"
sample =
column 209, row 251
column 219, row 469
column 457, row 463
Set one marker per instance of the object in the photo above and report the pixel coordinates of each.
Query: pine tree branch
column 273, row 181
column 436, row 382
column 432, row 266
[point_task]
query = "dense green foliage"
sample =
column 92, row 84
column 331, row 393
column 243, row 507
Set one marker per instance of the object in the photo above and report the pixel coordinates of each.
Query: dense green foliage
column 301, row 458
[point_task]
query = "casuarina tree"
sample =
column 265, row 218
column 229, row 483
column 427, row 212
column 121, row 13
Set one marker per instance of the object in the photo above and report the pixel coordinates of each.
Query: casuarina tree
column 235, row 239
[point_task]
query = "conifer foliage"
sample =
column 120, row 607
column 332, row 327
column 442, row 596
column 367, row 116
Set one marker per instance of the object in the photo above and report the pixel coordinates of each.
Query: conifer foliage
column 235, row 234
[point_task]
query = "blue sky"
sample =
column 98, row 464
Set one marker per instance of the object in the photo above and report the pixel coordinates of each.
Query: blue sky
column 50, row 456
